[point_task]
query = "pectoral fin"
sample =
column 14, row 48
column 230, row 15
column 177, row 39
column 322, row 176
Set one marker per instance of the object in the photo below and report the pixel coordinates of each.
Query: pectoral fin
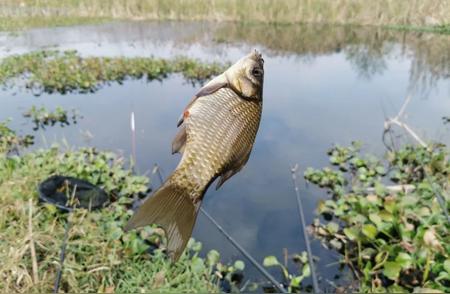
column 208, row 89
column 232, row 171
column 179, row 142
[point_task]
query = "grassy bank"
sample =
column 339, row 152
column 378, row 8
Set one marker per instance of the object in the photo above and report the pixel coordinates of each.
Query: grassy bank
column 425, row 13
column 100, row 257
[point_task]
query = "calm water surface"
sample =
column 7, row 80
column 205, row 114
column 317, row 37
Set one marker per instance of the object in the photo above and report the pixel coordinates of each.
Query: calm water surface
column 323, row 85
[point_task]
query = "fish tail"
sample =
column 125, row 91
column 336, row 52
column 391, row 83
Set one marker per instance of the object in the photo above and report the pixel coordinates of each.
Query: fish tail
column 172, row 208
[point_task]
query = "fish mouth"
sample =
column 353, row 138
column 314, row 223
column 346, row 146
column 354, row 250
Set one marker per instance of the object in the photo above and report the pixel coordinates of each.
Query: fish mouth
column 256, row 56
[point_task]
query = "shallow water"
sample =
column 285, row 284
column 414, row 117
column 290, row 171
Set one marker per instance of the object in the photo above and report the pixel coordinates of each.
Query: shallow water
column 323, row 85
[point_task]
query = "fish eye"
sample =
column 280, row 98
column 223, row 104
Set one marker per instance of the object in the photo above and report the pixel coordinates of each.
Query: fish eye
column 257, row 72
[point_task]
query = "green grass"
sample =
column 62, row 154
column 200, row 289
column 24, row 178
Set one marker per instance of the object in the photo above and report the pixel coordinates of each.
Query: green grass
column 440, row 29
column 62, row 72
column 383, row 12
column 100, row 256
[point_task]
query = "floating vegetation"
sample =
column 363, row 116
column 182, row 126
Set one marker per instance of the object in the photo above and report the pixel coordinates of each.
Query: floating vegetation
column 100, row 256
column 10, row 141
column 291, row 282
column 63, row 72
column 42, row 117
column 393, row 237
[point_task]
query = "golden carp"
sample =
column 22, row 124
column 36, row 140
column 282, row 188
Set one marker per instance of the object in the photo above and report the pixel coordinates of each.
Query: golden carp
column 216, row 134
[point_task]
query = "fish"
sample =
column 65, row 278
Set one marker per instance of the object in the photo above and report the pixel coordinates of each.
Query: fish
column 217, row 130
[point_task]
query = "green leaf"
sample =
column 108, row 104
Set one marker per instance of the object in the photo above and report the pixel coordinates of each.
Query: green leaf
column 351, row 233
column 336, row 244
column 392, row 270
column 404, row 260
column 197, row 246
column 380, row 170
column 376, row 219
column 447, row 265
column 306, row 272
column 332, row 227
column 295, row 282
column 369, row 231
column 197, row 265
column 270, row 261
column 386, row 216
column 239, row 265
column 213, row 257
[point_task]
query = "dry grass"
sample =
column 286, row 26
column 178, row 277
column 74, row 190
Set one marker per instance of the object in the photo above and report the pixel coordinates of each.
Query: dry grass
column 379, row 12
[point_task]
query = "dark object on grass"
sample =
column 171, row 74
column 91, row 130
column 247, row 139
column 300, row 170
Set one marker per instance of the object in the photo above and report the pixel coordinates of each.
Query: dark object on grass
column 68, row 193
column 58, row 190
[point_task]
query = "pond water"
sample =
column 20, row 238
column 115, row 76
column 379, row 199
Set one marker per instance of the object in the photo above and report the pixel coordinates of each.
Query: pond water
column 323, row 85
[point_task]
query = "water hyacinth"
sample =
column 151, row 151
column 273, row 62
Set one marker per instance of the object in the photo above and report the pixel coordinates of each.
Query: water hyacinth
column 64, row 72
column 385, row 217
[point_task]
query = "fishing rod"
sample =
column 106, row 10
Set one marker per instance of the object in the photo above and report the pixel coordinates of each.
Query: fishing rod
column 305, row 233
column 236, row 245
column 244, row 252
column 62, row 256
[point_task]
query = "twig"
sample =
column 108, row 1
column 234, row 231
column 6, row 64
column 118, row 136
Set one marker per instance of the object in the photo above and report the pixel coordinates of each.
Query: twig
column 32, row 248
column 133, row 139
column 395, row 188
column 397, row 121
column 262, row 270
column 305, row 233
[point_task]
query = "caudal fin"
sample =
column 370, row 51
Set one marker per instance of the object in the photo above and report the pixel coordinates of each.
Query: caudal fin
column 174, row 211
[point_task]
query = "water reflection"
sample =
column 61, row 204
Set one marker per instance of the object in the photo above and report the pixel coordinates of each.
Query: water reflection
column 323, row 85
column 365, row 47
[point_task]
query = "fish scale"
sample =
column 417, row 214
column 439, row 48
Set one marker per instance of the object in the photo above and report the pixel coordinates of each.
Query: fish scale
column 221, row 126
column 216, row 135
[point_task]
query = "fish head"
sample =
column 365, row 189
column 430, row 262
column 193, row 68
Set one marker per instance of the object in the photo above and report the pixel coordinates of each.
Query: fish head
column 246, row 76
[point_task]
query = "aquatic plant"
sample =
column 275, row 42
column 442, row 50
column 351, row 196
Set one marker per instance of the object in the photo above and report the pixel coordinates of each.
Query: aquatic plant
column 42, row 117
column 388, row 220
column 292, row 281
column 100, row 256
column 63, row 72
column 10, row 141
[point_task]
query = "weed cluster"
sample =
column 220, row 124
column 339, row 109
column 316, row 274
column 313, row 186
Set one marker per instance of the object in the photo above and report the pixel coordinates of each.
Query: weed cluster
column 42, row 117
column 395, row 237
column 63, row 72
